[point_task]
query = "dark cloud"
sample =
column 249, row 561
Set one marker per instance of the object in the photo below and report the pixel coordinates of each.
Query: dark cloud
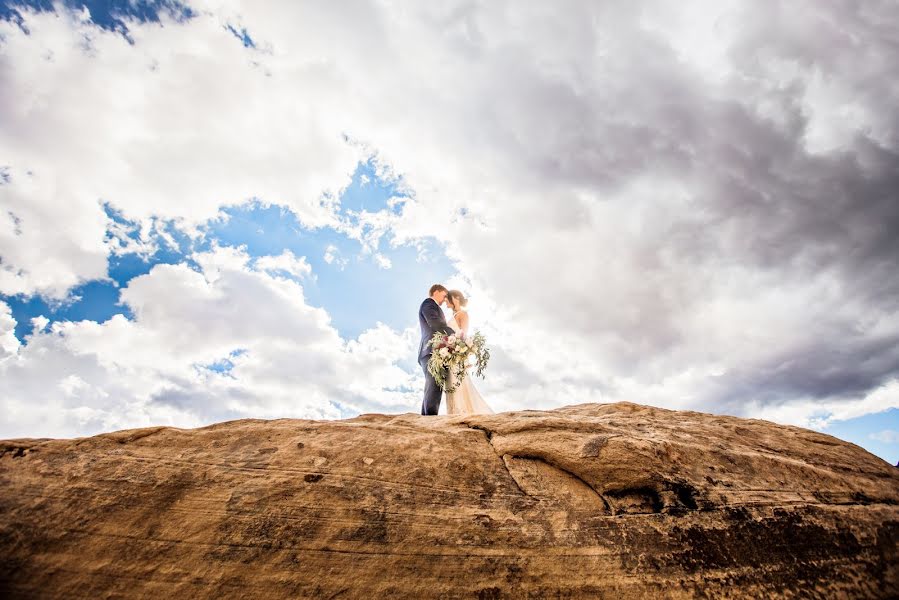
column 778, row 190
column 692, row 207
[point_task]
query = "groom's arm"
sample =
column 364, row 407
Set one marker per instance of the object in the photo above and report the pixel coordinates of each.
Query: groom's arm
column 434, row 317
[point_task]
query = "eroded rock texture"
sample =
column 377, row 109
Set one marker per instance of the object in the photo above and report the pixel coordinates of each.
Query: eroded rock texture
column 590, row 501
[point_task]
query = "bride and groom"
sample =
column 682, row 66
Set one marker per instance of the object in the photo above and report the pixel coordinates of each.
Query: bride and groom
column 466, row 399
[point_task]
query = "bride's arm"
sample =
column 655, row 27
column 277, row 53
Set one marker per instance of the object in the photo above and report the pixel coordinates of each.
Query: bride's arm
column 462, row 320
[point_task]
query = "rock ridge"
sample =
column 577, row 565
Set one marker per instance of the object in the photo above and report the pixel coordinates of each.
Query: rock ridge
column 586, row 501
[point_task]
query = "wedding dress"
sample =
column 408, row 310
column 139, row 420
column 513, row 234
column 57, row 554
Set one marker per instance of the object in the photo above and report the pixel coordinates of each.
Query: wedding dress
column 465, row 400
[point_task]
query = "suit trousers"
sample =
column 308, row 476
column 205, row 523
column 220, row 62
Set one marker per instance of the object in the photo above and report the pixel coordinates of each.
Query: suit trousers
column 430, row 404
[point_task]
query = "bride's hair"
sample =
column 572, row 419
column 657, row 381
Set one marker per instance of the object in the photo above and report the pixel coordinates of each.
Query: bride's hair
column 463, row 301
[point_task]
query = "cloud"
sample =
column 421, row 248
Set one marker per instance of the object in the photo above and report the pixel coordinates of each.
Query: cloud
column 286, row 262
column 283, row 357
column 887, row 436
column 9, row 344
column 332, row 256
column 692, row 207
column 163, row 127
column 382, row 261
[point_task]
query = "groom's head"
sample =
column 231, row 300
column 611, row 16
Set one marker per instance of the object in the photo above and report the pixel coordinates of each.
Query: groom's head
column 438, row 293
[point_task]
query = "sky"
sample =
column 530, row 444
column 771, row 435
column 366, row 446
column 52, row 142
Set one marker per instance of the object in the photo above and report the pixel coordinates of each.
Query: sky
column 215, row 210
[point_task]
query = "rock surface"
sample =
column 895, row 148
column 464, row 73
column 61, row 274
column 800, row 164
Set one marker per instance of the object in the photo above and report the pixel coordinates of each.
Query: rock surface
column 612, row 501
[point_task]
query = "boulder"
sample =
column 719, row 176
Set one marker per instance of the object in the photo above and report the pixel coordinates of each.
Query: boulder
column 589, row 501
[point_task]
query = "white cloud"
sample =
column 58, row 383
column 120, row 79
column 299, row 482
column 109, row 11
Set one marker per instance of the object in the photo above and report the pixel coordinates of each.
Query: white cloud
column 286, row 359
column 9, row 344
column 332, row 257
column 887, row 436
column 816, row 413
column 382, row 261
column 141, row 239
column 286, row 262
column 39, row 323
column 178, row 124
column 51, row 236
column 697, row 216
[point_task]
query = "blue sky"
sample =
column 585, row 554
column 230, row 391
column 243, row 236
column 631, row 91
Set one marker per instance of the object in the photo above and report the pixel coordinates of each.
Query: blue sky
column 356, row 294
column 859, row 431
column 612, row 246
column 107, row 13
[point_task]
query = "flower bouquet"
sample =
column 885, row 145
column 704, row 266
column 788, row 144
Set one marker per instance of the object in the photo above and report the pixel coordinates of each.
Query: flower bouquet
column 450, row 354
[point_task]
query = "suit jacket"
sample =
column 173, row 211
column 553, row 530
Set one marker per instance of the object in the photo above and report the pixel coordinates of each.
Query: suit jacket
column 431, row 320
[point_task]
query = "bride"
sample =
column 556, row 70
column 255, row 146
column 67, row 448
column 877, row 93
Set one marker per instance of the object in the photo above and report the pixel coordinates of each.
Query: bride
column 465, row 400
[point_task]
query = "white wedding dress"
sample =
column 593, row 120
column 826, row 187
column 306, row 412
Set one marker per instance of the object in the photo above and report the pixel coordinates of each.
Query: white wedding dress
column 465, row 400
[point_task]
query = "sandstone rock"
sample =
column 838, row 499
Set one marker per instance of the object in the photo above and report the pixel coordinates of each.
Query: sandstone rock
column 590, row 501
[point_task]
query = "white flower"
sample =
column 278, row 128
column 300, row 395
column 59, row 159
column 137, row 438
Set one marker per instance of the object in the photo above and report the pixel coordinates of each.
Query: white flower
column 452, row 339
column 444, row 352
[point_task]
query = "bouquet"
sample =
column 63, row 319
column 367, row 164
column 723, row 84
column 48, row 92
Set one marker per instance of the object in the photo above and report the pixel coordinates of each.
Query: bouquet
column 451, row 353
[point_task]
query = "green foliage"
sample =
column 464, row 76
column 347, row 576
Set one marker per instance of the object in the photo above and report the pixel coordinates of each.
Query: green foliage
column 451, row 353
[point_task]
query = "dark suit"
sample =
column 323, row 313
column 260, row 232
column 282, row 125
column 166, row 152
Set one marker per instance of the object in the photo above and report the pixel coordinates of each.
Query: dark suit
column 431, row 320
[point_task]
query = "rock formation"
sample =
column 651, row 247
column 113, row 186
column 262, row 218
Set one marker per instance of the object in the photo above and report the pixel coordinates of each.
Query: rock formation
column 590, row 501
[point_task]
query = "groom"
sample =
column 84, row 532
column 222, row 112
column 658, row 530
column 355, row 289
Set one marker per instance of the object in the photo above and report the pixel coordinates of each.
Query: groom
column 431, row 319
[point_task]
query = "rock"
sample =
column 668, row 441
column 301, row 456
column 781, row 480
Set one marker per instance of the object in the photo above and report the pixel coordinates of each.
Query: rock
column 590, row 501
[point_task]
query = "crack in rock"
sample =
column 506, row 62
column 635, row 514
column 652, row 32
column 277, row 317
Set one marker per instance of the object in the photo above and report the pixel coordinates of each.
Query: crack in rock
column 507, row 461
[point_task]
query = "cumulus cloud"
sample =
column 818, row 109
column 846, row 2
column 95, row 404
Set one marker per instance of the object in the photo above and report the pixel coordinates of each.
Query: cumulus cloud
column 685, row 205
column 174, row 125
column 222, row 342
column 286, row 262
column 9, row 344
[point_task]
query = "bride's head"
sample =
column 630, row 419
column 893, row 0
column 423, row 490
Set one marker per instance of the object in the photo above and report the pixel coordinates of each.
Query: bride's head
column 456, row 299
